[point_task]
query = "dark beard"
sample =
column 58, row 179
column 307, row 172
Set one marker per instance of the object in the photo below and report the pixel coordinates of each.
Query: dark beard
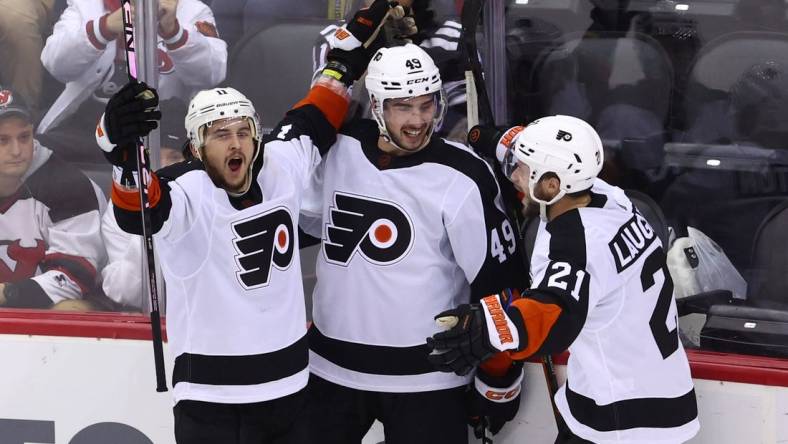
column 216, row 178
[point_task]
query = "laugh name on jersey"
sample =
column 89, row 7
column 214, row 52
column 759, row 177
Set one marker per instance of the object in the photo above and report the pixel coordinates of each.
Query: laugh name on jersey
column 381, row 231
column 631, row 241
column 262, row 241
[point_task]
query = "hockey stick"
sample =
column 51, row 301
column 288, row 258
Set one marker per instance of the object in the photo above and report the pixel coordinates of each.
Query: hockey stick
column 479, row 107
column 477, row 100
column 552, row 387
column 144, row 174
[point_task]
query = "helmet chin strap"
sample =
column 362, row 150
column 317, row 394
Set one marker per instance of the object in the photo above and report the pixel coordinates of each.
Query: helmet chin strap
column 543, row 204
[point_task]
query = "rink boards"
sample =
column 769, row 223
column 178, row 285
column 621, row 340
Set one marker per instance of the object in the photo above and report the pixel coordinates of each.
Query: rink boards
column 89, row 379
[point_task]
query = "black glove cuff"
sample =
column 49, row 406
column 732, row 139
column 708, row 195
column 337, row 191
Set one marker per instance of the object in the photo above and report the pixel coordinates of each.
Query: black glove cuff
column 501, row 381
column 349, row 65
column 339, row 71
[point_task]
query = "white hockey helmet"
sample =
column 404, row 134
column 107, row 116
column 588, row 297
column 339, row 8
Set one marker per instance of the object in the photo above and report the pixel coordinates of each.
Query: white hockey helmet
column 403, row 72
column 217, row 104
column 211, row 105
column 566, row 146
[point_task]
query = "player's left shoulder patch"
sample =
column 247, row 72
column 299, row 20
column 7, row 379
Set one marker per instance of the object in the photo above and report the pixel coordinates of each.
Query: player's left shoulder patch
column 207, row 29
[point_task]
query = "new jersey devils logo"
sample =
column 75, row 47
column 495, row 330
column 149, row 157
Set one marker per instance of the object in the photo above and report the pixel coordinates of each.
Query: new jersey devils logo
column 261, row 241
column 380, row 230
column 24, row 260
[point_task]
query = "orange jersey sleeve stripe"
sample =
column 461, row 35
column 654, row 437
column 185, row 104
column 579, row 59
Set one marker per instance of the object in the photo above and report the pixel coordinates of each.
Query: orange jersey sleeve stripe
column 331, row 104
column 130, row 200
column 497, row 365
column 539, row 319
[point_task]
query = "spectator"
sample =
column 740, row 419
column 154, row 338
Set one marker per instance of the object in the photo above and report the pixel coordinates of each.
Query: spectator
column 441, row 42
column 122, row 277
column 85, row 51
column 23, row 24
column 51, row 246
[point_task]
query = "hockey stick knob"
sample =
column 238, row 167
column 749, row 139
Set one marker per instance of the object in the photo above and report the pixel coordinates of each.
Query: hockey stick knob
column 484, row 139
column 447, row 322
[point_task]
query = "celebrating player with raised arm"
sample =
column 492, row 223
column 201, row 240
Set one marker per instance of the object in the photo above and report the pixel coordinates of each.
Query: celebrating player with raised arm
column 600, row 287
column 410, row 225
column 225, row 232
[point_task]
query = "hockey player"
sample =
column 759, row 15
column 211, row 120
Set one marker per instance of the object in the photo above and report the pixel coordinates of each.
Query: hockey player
column 600, row 287
column 224, row 229
column 410, row 224
column 50, row 213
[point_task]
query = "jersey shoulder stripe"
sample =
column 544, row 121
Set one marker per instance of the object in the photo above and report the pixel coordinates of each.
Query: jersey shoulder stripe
column 439, row 151
column 308, row 121
column 567, row 239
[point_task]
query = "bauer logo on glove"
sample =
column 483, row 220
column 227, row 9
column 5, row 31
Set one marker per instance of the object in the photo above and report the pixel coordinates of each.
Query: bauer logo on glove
column 475, row 332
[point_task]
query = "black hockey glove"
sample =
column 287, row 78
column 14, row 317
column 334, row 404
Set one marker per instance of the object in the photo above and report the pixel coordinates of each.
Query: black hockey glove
column 355, row 42
column 474, row 333
column 492, row 141
column 494, row 400
column 130, row 114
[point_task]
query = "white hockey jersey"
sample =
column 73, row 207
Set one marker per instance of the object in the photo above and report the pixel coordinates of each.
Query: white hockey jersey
column 628, row 378
column 50, row 244
column 403, row 238
column 236, row 318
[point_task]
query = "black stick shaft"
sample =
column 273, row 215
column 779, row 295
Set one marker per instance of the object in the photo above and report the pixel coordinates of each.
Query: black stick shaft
column 552, row 386
column 143, row 174
column 470, row 16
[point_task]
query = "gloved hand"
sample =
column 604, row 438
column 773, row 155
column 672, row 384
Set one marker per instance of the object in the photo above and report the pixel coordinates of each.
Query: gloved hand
column 494, row 400
column 475, row 332
column 492, row 141
column 130, row 114
column 355, row 42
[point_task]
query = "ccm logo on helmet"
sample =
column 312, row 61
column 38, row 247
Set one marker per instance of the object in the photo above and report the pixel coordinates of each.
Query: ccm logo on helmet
column 563, row 135
column 422, row 80
column 380, row 231
column 261, row 241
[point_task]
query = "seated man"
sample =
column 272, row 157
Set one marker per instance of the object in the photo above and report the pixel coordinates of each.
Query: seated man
column 50, row 214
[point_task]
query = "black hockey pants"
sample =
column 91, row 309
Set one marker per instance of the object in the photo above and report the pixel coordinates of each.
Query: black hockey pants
column 342, row 415
column 279, row 421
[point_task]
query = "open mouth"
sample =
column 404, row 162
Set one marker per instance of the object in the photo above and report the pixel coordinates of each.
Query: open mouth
column 413, row 133
column 235, row 164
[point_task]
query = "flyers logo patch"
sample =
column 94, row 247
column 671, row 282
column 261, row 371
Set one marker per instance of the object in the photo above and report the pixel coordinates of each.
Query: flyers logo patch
column 263, row 241
column 380, row 231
